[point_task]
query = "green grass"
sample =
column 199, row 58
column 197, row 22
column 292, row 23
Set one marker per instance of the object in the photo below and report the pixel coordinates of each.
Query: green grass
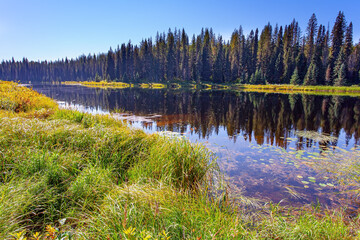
column 93, row 177
column 287, row 88
column 268, row 88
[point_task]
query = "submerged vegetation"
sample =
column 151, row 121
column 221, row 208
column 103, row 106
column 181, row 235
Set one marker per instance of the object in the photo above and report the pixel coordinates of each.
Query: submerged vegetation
column 71, row 175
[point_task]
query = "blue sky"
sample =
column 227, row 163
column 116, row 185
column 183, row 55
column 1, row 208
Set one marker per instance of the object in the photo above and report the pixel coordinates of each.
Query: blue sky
column 52, row 29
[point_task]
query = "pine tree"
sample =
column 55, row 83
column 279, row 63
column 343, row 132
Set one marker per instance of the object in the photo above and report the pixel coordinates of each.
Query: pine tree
column 278, row 65
column 314, row 75
column 341, row 60
column 235, row 55
column 337, row 37
column 265, row 49
column 354, row 65
column 348, row 40
column 310, row 77
column 310, row 37
column 257, row 78
column 184, row 57
column 170, row 57
column 295, row 78
column 110, row 66
column 205, row 58
column 218, row 68
column 300, row 63
column 341, row 79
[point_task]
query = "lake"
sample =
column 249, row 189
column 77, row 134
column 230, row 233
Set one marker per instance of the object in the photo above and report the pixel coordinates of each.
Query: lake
column 263, row 140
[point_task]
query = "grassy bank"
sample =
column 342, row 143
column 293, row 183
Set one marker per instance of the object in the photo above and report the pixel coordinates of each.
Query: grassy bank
column 172, row 85
column 270, row 88
column 283, row 88
column 71, row 175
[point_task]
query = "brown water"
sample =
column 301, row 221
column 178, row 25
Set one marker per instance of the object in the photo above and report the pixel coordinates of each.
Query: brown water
column 252, row 134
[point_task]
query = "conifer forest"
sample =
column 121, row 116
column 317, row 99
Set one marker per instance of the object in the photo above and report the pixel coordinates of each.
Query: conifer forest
column 318, row 55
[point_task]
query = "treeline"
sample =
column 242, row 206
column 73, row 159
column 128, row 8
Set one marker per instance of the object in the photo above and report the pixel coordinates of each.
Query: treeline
column 276, row 55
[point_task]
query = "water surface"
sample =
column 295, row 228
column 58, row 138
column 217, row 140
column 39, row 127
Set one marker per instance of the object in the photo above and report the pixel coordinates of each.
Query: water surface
column 249, row 132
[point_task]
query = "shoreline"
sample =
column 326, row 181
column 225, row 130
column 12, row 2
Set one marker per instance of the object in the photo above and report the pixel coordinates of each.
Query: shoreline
column 286, row 89
column 90, row 176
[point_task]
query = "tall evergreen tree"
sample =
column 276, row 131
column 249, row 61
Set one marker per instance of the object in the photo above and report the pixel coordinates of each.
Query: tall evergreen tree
column 205, row 58
column 348, row 40
column 110, row 65
column 278, row 60
column 341, row 79
column 218, row 67
column 184, row 57
column 295, row 78
column 235, row 55
column 311, row 31
column 337, row 39
column 170, row 58
column 301, row 67
column 314, row 75
column 265, row 48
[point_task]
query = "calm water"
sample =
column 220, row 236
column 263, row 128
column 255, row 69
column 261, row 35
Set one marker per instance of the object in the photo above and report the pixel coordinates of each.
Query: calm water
column 247, row 131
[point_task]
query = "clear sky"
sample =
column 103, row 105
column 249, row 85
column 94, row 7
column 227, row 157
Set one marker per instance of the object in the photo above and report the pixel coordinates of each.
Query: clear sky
column 55, row 29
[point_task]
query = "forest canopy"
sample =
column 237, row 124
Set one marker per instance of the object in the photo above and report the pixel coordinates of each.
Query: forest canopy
column 275, row 55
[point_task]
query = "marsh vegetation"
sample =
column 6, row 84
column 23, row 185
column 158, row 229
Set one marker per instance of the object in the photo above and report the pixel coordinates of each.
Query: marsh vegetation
column 75, row 175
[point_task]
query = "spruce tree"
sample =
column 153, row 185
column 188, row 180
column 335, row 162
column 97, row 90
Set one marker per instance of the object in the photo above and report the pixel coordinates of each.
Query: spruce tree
column 218, row 68
column 341, row 79
column 257, row 78
column 311, row 31
column 278, row 65
column 170, row 57
column 337, row 39
column 235, row 55
column 341, row 60
column 348, row 40
column 295, row 78
column 110, row 66
column 300, row 63
column 184, row 57
column 310, row 77
column 205, row 58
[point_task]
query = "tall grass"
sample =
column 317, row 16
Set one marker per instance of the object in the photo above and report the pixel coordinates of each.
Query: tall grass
column 287, row 88
column 14, row 97
column 93, row 177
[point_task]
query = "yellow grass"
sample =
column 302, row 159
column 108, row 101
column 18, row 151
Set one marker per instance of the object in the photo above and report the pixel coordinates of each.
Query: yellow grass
column 16, row 98
column 285, row 88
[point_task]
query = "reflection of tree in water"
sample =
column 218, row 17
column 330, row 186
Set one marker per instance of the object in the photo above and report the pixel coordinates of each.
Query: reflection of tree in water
column 265, row 118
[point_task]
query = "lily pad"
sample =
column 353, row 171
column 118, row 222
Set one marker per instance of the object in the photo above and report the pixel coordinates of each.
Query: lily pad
column 305, row 182
column 312, row 179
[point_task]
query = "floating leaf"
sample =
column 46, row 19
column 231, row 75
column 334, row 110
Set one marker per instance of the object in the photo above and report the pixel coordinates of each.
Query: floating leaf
column 299, row 176
column 322, row 184
column 330, row 185
column 305, row 182
column 306, row 186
